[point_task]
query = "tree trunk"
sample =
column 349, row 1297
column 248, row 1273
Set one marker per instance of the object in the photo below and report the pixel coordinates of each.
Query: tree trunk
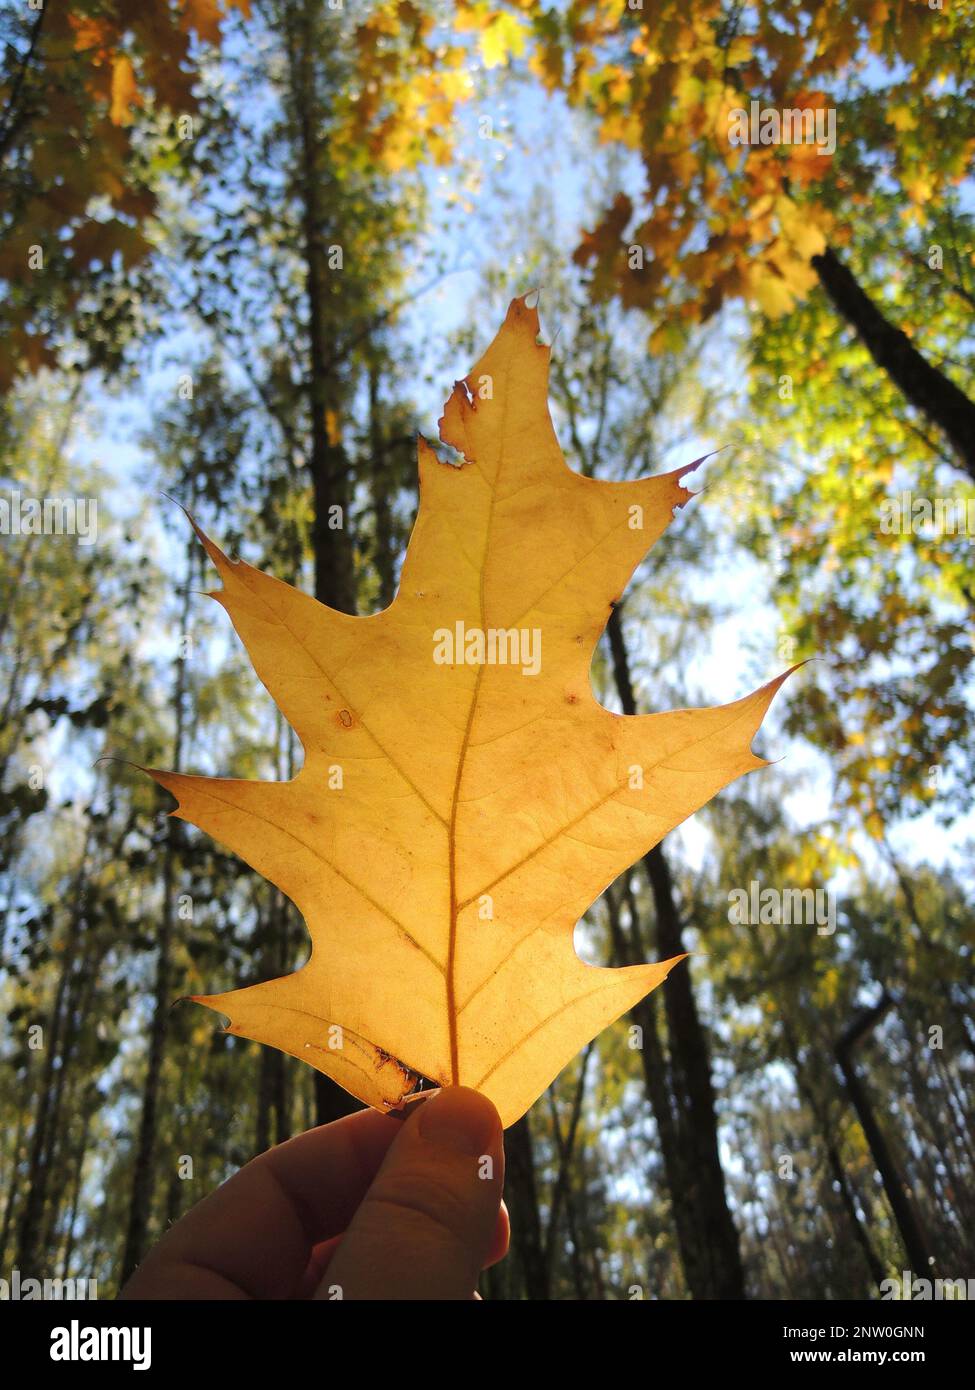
column 836, row 1170
column 334, row 567
column 715, row 1268
column 10, row 1205
column 29, row 1247
column 76, row 1180
column 630, row 950
column 144, row 1169
column 77, row 1012
column 941, row 402
column 566, row 1148
column 911, row 1231
column 521, row 1195
column 385, row 553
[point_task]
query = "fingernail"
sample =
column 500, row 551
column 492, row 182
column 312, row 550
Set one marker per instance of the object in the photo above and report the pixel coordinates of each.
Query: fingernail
column 459, row 1119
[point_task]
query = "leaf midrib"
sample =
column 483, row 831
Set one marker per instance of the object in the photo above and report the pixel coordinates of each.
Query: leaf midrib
column 452, row 1011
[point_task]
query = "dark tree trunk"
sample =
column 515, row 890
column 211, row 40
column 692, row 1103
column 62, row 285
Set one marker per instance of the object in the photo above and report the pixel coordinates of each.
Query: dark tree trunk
column 59, row 1158
column 73, row 1207
column 328, row 464
column 715, row 1268
column 521, row 1195
column 385, row 552
column 837, row 1172
column 912, row 1234
column 629, row 949
column 562, row 1187
column 935, row 395
column 29, row 1245
column 719, row 1273
column 10, row 1205
column 145, row 1163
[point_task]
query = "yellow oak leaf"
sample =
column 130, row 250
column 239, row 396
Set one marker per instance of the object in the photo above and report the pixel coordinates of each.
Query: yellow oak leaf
column 464, row 797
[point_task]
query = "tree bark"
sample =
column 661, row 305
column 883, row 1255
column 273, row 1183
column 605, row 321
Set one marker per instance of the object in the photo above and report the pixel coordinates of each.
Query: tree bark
column 75, row 1202
column 935, row 395
column 521, row 1195
column 29, row 1246
column 10, row 1205
column 144, row 1169
column 836, row 1170
column 385, row 556
column 715, row 1269
column 562, row 1187
column 629, row 949
column 911, row 1231
column 328, row 464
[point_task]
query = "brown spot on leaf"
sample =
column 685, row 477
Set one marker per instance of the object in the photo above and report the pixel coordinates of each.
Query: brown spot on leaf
column 384, row 1059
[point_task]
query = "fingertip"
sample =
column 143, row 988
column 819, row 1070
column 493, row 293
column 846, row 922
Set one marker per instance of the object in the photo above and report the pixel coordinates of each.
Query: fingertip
column 431, row 1220
column 461, row 1119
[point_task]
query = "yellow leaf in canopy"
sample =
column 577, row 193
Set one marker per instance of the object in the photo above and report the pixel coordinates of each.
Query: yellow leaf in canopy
column 125, row 94
column 739, row 50
column 501, row 38
column 767, row 286
column 801, row 228
column 464, row 798
column 797, row 272
column 918, row 189
column 901, row 117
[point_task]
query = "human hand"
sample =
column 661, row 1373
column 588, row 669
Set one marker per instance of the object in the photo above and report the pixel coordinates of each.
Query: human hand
column 371, row 1206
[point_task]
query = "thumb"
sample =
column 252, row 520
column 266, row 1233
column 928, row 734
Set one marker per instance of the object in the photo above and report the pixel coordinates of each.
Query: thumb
column 427, row 1224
